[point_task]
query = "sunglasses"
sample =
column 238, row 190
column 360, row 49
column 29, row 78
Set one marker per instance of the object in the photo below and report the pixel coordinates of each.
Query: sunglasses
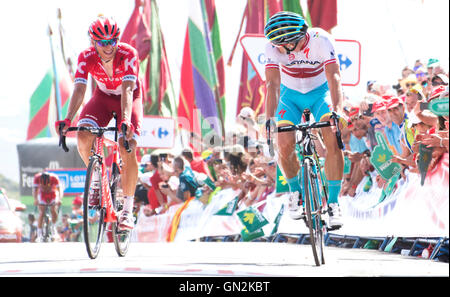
column 436, row 83
column 410, row 85
column 103, row 43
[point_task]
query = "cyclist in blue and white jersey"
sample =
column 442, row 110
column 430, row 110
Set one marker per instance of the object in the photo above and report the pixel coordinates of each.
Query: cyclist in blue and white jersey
column 302, row 72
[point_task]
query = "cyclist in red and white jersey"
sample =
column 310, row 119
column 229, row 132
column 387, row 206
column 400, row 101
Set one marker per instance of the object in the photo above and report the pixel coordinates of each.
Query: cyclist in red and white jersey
column 115, row 68
column 47, row 191
column 302, row 72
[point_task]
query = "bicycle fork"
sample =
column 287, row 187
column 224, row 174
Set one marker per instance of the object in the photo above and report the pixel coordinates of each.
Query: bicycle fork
column 106, row 203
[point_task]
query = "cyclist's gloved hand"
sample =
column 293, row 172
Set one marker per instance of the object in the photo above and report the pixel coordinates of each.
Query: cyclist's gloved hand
column 130, row 129
column 64, row 127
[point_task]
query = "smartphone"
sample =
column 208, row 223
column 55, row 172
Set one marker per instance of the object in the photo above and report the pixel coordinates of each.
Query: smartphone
column 423, row 105
column 369, row 112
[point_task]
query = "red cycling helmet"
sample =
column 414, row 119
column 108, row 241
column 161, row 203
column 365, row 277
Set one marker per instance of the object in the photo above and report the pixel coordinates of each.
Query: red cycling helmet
column 104, row 28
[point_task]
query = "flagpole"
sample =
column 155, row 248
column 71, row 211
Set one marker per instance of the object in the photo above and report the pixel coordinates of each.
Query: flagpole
column 55, row 74
column 210, row 65
column 230, row 59
column 67, row 61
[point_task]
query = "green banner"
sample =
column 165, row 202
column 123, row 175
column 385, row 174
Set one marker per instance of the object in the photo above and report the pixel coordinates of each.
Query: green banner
column 381, row 159
column 425, row 155
column 228, row 209
column 439, row 106
column 252, row 219
column 389, row 187
column 249, row 236
column 282, row 185
column 347, row 165
column 277, row 220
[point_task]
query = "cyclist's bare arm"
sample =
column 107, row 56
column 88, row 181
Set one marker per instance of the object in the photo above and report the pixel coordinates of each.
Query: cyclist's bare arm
column 273, row 81
column 127, row 103
column 75, row 102
column 334, row 84
column 34, row 193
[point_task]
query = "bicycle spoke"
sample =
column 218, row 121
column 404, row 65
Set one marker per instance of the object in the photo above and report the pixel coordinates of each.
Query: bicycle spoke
column 313, row 212
column 121, row 238
column 93, row 214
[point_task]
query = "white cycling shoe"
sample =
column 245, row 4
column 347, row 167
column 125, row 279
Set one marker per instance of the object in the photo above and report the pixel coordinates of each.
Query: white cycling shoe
column 126, row 221
column 295, row 206
column 335, row 216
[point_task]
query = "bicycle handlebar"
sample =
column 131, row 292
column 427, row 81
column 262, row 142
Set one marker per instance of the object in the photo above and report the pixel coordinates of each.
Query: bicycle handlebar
column 93, row 130
column 305, row 127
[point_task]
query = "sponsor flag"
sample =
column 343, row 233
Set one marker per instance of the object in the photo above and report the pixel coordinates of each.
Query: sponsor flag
column 257, row 12
column 249, row 236
column 252, row 219
column 143, row 32
column 217, row 56
column 323, row 13
column 50, row 101
column 228, row 209
column 277, row 220
column 425, row 156
column 199, row 91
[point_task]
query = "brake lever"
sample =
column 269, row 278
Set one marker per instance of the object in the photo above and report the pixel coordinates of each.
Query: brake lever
column 62, row 138
column 125, row 142
column 335, row 117
column 269, row 140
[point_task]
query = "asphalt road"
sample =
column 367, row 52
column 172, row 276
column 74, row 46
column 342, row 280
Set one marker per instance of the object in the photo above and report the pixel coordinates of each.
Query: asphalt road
column 223, row 259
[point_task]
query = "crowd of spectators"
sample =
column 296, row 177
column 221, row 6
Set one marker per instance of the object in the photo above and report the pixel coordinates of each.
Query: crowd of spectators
column 398, row 111
column 167, row 179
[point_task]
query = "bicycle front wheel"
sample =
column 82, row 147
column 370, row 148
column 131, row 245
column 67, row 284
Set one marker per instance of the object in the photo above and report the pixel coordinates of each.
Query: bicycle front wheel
column 93, row 212
column 121, row 238
column 46, row 228
column 313, row 212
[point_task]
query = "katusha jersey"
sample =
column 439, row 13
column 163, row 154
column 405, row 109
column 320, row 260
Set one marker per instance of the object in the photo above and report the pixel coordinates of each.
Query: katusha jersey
column 49, row 190
column 304, row 71
column 125, row 68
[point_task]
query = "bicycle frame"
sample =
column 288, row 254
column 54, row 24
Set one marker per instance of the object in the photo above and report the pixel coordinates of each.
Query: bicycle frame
column 308, row 150
column 111, row 215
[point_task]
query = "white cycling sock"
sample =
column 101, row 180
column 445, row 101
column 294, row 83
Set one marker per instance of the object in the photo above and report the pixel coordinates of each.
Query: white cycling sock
column 128, row 202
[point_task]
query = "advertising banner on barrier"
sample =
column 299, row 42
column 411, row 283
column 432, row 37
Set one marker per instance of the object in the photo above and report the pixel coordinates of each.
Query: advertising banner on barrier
column 410, row 210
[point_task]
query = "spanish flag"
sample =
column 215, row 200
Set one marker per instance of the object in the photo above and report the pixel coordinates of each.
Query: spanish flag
column 176, row 221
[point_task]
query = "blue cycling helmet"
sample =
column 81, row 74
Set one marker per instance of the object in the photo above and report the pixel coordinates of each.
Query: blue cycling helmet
column 285, row 27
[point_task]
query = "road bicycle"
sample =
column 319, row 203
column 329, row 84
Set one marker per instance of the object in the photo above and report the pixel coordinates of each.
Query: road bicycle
column 47, row 224
column 315, row 193
column 102, row 182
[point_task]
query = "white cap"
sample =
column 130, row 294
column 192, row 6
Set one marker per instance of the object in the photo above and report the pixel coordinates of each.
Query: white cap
column 145, row 159
column 247, row 112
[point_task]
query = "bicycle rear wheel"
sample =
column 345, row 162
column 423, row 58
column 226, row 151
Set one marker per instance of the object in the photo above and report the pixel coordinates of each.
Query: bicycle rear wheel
column 93, row 215
column 313, row 212
column 121, row 238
